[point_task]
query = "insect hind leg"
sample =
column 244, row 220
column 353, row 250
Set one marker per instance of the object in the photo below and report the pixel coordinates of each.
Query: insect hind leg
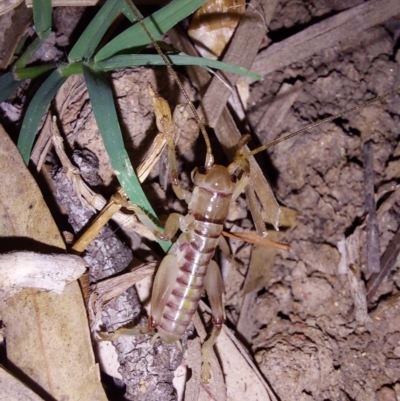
column 125, row 331
column 214, row 288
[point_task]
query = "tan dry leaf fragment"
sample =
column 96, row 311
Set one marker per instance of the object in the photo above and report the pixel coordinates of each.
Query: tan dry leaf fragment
column 242, row 381
column 213, row 25
column 8, row 5
column 47, row 334
column 20, row 270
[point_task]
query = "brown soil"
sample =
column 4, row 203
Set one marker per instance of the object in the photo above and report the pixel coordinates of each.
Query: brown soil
column 309, row 343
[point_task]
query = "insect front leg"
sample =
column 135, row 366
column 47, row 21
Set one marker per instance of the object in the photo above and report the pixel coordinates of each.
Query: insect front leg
column 166, row 126
column 214, row 287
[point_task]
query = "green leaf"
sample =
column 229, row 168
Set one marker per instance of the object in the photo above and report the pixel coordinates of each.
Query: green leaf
column 101, row 97
column 34, row 72
column 91, row 37
column 158, row 23
column 27, row 54
column 8, row 85
column 36, row 109
column 129, row 60
column 42, row 14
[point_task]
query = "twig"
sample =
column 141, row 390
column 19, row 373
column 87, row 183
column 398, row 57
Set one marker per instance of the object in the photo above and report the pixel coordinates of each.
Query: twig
column 373, row 253
column 345, row 26
column 387, row 261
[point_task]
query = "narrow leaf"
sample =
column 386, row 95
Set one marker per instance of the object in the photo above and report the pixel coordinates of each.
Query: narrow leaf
column 95, row 31
column 129, row 60
column 101, row 97
column 42, row 16
column 36, row 109
column 158, row 23
column 29, row 52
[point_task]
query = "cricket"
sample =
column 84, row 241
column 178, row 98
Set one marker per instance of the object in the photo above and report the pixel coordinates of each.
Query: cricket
column 188, row 269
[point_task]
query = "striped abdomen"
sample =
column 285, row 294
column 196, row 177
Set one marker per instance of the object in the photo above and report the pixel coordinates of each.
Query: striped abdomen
column 193, row 259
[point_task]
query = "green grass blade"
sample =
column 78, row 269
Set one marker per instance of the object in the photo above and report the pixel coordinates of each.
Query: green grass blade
column 158, row 23
column 102, row 101
column 33, row 72
column 27, row 54
column 129, row 60
column 36, row 109
column 8, row 85
column 91, row 37
column 42, row 17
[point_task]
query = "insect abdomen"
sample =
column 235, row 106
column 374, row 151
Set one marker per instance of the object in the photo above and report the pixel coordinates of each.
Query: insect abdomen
column 193, row 259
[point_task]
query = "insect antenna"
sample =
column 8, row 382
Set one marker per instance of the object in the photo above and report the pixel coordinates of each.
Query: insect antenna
column 245, row 156
column 209, row 155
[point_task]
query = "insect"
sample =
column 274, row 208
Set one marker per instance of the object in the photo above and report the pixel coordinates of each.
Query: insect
column 178, row 283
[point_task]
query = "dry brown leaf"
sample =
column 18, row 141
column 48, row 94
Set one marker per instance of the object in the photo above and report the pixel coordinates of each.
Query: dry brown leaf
column 13, row 389
column 261, row 263
column 13, row 25
column 8, row 5
column 47, row 334
column 241, row 380
column 213, row 25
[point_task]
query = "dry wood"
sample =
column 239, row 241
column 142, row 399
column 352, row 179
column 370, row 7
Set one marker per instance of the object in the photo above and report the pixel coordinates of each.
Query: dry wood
column 242, row 51
column 20, row 270
column 344, row 27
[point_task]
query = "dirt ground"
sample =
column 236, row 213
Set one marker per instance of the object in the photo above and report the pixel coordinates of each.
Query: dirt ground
column 309, row 343
column 308, row 335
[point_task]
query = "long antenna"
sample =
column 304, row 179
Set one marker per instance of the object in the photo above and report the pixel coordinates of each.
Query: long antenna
column 316, row 124
column 209, row 156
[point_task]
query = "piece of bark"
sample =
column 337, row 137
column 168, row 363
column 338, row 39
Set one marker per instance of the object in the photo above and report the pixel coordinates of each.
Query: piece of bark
column 147, row 370
column 373, row 250
column 48, row 272
column 346, row 26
